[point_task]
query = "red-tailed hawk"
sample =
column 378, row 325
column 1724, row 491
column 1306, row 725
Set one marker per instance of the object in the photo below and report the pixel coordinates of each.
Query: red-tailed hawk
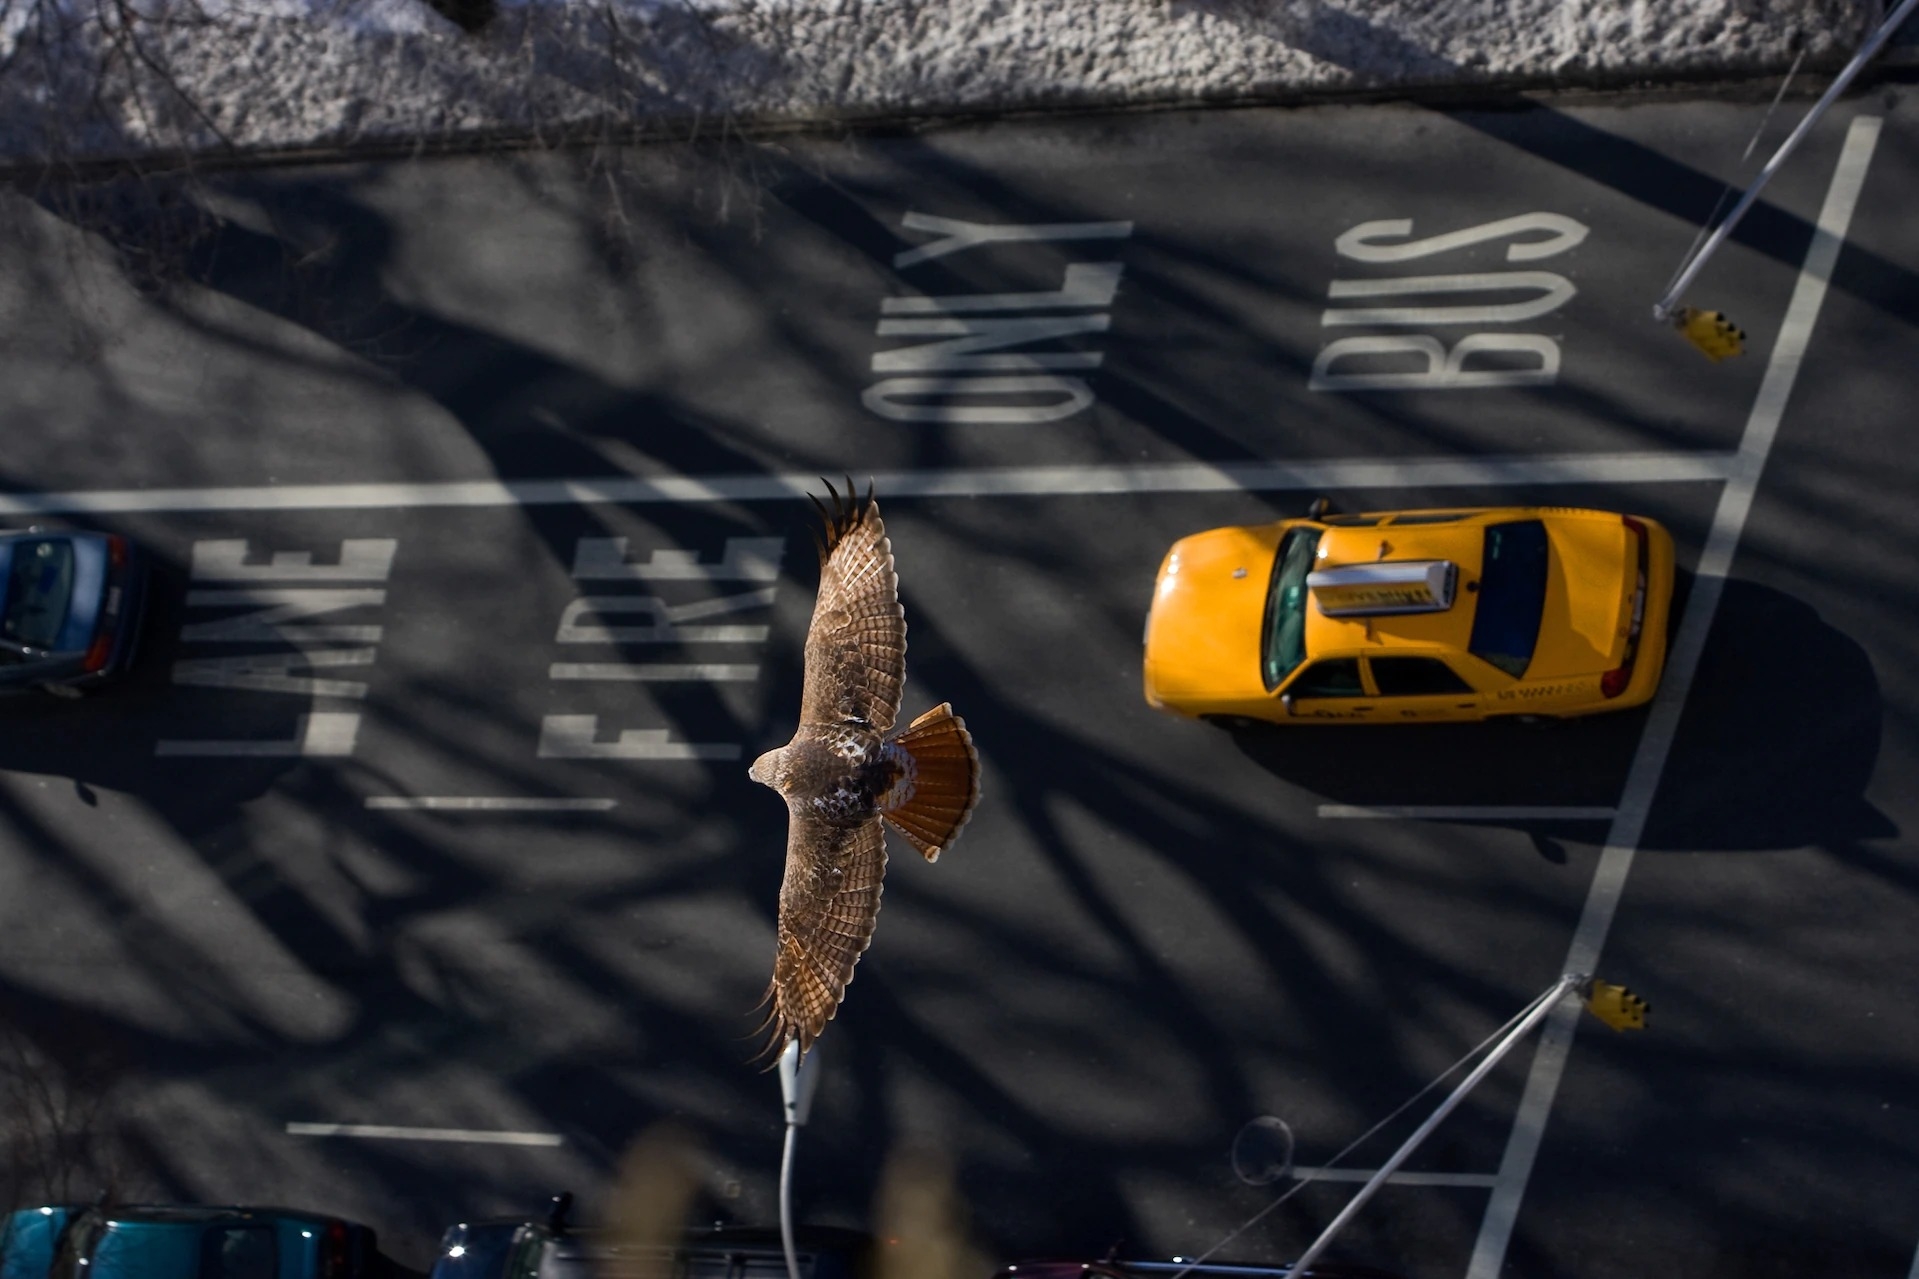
column 846, row 773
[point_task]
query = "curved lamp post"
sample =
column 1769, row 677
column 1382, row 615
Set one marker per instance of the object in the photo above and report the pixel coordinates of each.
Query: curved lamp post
column 799, row 1079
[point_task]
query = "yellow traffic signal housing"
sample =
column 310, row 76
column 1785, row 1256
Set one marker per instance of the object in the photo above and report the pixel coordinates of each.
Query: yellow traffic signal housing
column 1617, row 1006
column 1711, row 332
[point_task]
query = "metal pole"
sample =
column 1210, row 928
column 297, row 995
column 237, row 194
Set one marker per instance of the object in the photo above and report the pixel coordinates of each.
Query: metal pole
column 1663, row 309
column 1547, row 1001
column 799, row 1079
column 786, row 1201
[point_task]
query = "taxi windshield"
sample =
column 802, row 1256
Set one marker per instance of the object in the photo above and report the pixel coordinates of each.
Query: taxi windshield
column 1285, row 625
column 1512, row 596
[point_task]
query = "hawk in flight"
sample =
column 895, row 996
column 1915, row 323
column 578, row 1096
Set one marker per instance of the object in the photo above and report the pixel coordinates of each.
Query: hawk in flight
column 847, row 773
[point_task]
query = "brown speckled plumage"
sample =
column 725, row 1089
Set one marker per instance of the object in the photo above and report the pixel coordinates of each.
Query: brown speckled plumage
column 845, row 773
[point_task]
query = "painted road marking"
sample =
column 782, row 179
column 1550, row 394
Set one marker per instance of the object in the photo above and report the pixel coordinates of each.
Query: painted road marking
column 281, row 615
column 1729, row 522
column 656, row 672
column 578, row 737
column 319, row 735
column 384, row 1132
column 1028, row 481
column 1021, row 386
column 743, row 559
column 1474, row 1179
column 1469, row 813
column 488, row 804
column 1432, row 366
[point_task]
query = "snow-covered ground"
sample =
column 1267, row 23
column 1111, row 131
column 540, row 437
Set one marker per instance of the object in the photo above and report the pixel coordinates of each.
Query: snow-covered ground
column 86, row 79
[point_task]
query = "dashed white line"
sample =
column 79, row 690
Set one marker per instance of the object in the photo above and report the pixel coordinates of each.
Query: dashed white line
column 1729, row 522
column 1030, row 481
column 489, row 804
column 385, row 1132
column 1468, row 813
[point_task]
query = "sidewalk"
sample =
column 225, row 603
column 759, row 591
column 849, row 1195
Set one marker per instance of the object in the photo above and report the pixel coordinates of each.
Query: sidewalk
column 85, row 80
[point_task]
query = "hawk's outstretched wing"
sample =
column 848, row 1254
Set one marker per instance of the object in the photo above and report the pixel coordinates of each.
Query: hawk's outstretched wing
column 829, row 902
column 856, row 645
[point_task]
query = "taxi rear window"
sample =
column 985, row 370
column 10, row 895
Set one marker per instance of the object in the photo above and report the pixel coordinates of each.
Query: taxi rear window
column 1512, row 596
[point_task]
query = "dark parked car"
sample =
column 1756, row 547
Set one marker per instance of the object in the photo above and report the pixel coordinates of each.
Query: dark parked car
column 1167, row 1269
column 182, row 1242
column 70, row 608
column 551, row 1249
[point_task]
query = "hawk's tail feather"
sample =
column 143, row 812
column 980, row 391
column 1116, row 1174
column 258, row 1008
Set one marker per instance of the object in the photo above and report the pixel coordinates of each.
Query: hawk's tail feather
column 945, row 785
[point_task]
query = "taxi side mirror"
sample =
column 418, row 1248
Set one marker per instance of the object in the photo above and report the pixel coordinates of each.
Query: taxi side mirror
column 1286, row 700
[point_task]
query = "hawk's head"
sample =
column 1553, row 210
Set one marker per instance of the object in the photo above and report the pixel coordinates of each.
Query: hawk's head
column 770, row 770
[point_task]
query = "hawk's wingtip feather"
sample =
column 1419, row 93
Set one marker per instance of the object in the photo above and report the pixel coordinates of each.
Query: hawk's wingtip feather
column 848, row 512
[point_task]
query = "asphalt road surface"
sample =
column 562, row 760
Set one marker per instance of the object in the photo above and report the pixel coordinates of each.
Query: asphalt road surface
column 474, row 486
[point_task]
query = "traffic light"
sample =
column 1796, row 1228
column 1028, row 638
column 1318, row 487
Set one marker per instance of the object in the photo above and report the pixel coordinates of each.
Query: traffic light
column 1711, row 332
column 1617, row 1006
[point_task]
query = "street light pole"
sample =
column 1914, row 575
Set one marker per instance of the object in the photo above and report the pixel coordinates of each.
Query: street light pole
column 799, row 1079
column 1664, row 309
column 1547, row 1002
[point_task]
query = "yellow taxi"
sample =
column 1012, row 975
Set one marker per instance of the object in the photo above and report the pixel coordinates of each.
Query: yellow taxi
column 1403, row 616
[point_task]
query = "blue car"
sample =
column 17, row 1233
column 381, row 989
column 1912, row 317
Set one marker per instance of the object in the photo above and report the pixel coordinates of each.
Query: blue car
column 168, row 1242
column 71, row 603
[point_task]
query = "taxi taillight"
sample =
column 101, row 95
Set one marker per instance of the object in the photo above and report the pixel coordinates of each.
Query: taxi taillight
column 1614, row 681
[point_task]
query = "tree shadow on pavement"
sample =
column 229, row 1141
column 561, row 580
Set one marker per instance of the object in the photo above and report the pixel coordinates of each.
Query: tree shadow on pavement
column 1185, row 958
column 1780, row 737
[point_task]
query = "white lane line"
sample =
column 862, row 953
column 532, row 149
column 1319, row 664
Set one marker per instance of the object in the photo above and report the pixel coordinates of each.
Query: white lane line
column 1729, row 522
column 1030, row 481
column 1914, row 1272
column 1479, row 1179
column 657, row 672
column 1469, row 813
column 384, row 1132
column 489, row 804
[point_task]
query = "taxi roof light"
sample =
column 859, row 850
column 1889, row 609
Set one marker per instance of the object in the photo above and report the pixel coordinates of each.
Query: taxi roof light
column 1378, row 589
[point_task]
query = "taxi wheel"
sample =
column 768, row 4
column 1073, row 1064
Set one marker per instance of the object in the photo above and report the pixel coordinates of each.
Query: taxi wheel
column 1234, row 723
